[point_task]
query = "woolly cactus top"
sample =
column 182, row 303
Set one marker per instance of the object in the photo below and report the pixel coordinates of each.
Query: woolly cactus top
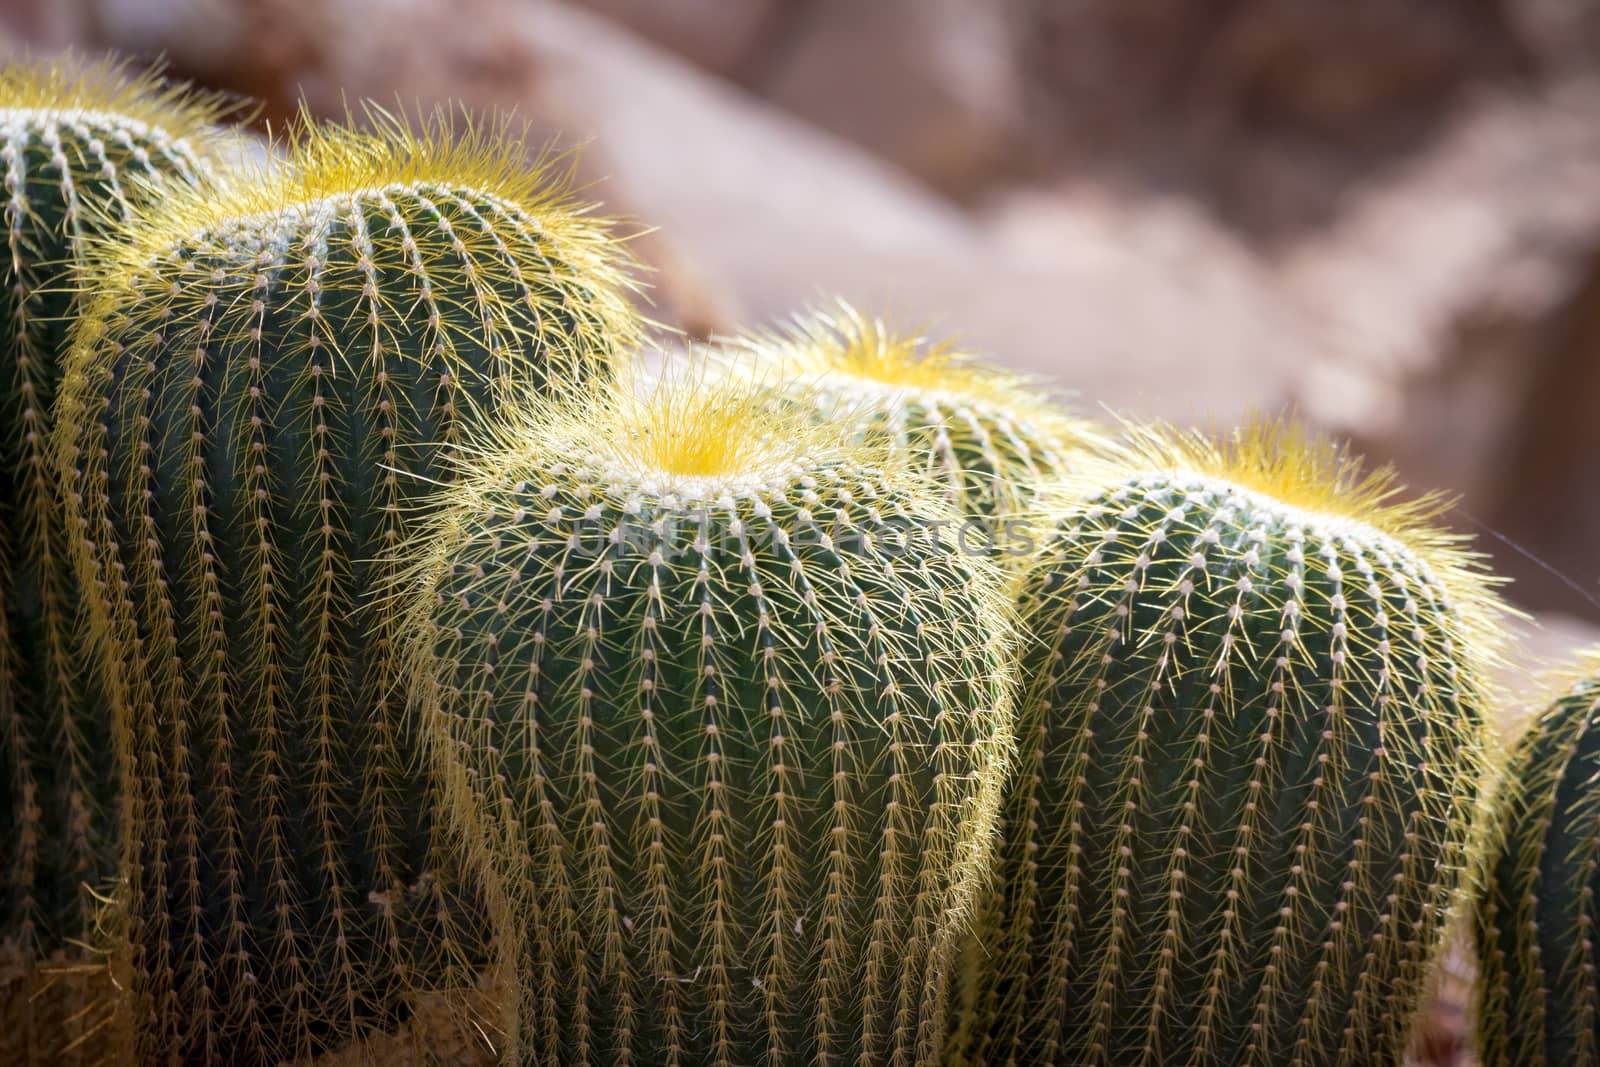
column 675, row 438
column 983, row 431
column 467, row 203
column 105, row 94
column 82, row 146
column 268, row 374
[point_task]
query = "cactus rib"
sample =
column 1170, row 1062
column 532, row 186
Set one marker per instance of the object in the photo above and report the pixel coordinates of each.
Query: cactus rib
column 982, row 431
column 83, row 147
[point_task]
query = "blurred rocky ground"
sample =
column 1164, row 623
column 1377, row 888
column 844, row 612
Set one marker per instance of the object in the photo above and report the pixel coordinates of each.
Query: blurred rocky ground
column 1385, row 214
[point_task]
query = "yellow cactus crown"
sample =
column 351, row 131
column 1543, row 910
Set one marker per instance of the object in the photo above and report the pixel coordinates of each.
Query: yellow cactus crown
column 838, row 341
column 70, row 87
column 1288, row 466
column 684, row 431
column 311, row 167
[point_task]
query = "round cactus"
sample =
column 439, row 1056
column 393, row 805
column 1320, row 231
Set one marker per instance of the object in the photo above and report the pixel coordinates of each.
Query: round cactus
column 80, row 150
column 269, row 373
column 82, row 147
column 1539, row 999
column 729, row 707
column 981, row 431
column 1250, row 742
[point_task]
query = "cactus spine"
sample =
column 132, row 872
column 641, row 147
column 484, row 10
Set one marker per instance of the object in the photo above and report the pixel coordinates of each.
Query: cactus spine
column 981, row 431
column 732, row 709
column 269, row 373
column 1250, row 741
column 1535, row 917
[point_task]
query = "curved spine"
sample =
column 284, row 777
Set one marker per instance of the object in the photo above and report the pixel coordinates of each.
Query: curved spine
column 982, row 432
column 83, row 148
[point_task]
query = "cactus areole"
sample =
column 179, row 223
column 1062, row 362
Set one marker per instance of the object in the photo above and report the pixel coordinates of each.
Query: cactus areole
column 1250, row 743
column 734, row 716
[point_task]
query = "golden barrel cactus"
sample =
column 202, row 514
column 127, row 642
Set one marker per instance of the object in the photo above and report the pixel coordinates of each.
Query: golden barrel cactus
column 726, row 710
column 268, row 375
column 83, row 148
column 988, row 436
column 1251, row 745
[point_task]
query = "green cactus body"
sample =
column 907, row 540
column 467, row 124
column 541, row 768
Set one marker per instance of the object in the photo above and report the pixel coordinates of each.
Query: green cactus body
column 732, row 710
column 80, row 149
column 269, row 375
column 1535, row 916
column 1249, row 746
column 981, row 431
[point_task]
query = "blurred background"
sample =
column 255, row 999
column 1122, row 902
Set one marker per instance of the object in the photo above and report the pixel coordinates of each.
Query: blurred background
column 1383, row 213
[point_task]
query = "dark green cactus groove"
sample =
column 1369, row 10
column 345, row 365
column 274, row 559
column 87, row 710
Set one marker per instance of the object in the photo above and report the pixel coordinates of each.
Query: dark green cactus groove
column 985, row 433
column 270, row 372
column 82, row 147
column 1538, row 994
column 731, row 710
column 1250, row 745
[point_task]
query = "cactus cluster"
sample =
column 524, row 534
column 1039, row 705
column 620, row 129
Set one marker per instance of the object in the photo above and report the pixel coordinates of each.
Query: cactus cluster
column 1250, row 740
column 1539, row 999
column 269, row 371
column 732, row 711
column 384, row 676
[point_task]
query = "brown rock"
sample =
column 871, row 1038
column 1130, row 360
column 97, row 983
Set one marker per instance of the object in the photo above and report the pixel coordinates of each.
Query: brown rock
column 1550, row 499
column 1147, row 306
column 411, row 55
column 43, row 25
column 733, row 40
column 930, row 85
column 1265, row 108
column 196, row 35
column 1459, row 296
column 1142, row 304
column 1564, row 35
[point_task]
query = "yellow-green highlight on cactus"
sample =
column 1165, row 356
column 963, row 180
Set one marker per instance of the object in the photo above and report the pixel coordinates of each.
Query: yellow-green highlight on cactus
column 83, row 147
column 1538, row 995
column 1251, row 742
column 728, row 712
column 268, row 375
column 987, row 434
